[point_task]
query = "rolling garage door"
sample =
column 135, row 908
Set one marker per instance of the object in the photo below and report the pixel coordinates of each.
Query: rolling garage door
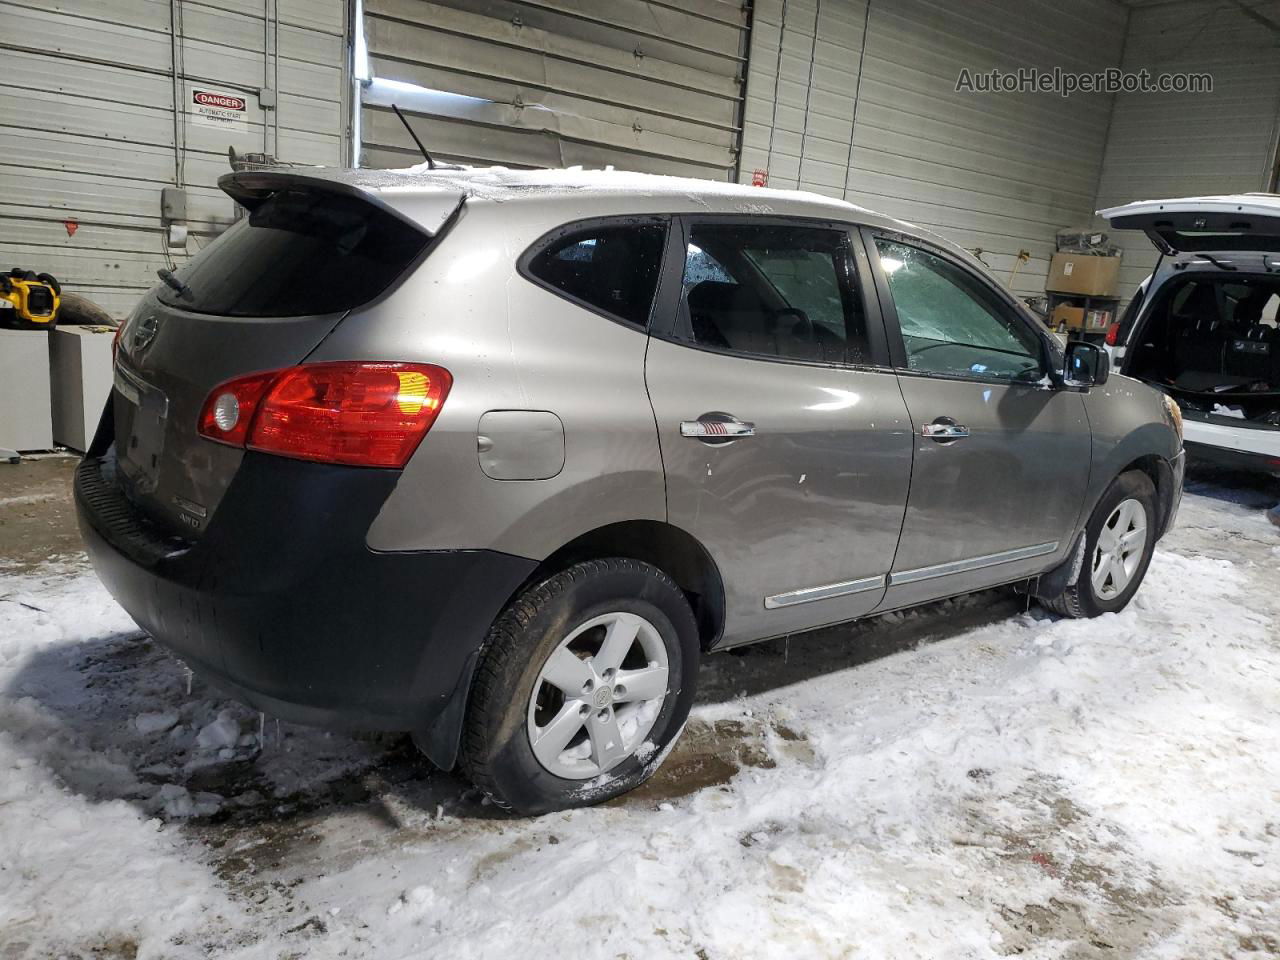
column 642, row 85
column 98, row 108
column 857, row 99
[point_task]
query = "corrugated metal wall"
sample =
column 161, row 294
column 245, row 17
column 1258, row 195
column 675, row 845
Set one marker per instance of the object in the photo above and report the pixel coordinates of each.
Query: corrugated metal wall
column 86, row 106
column 1170, row 145
column 641, row 84
column 851, row 98
column 1000, row 172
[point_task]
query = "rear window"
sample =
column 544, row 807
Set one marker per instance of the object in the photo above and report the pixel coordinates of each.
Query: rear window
column 299, row 252
column 613, row 268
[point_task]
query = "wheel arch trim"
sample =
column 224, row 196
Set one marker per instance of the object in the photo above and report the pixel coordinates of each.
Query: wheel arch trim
column 669, row 548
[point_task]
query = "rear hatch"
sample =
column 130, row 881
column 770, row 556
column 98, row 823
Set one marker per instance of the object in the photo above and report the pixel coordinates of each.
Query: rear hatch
column 1205, row 328
column 1247, row 221
column 261, row 297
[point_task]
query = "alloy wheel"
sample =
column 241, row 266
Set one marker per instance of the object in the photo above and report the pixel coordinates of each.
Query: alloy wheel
column 598, row 695
column 1118, row 553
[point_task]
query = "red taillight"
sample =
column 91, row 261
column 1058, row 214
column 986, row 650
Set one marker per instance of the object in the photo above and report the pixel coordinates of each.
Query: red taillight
column 228, row 413
column 115, row 339
column 1113, row 334
column 365, row 414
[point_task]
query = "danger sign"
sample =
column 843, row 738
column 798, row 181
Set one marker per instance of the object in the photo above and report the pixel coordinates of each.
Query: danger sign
column 207, row 98
column 217, row 108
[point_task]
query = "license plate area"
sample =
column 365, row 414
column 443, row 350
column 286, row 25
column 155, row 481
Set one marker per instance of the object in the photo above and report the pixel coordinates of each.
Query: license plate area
column 140, row 428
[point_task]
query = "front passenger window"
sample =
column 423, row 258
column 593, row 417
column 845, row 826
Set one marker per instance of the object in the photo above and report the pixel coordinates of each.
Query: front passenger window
column 950, row 324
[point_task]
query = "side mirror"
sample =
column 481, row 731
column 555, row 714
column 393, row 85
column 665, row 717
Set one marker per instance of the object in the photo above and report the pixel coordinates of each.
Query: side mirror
column 1087, row 365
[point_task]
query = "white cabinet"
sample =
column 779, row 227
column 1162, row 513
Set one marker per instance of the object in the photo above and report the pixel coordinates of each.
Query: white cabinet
column 80, row 361
column 25, row 416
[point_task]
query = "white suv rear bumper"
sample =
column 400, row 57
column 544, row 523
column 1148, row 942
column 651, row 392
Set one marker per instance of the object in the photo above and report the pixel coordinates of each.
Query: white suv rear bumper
column 1265, row 443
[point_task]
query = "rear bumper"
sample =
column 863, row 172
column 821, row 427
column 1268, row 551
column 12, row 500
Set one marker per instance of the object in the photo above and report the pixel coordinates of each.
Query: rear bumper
column 1234, row 459
column 1251, row 447
column 281, row 603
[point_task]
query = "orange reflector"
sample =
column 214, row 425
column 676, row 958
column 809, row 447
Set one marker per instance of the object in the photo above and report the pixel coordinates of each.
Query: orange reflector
column 414, row 388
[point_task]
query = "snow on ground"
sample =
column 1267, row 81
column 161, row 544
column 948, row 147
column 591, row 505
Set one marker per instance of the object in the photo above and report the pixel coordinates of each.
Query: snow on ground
column 971, row 780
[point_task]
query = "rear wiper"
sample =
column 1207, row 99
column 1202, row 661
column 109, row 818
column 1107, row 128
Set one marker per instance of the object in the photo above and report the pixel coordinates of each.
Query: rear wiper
column 171, row 280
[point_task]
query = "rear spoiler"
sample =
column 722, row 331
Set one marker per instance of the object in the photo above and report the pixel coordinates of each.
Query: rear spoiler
column 427, row 208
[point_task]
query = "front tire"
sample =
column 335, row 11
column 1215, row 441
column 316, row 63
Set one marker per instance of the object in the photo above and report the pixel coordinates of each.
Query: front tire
column 1119, row 541
column 584, row 682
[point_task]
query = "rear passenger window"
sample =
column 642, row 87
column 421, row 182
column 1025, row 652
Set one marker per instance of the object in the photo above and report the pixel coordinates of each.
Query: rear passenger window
column 610, row 268
column 775, row 291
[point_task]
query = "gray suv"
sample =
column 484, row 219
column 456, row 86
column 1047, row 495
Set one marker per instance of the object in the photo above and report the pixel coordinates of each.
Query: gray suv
column 495, row 457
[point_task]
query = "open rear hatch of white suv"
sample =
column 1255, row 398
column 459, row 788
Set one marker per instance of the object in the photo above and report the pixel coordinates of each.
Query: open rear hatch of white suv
column 1208, row 332
column 1248, row 222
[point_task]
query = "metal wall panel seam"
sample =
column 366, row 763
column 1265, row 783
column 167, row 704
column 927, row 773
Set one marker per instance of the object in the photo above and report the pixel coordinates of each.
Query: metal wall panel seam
column 777, row 79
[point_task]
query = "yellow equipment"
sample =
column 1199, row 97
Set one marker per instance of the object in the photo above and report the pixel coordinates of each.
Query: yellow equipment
column 28, row 300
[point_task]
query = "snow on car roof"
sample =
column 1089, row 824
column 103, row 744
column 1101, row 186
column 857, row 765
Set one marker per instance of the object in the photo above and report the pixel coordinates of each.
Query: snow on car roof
column 502, row 183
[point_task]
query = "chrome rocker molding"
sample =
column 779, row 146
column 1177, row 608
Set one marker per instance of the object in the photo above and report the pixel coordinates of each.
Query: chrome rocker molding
column 973, row 563
column 845, row 587
column 826, row 592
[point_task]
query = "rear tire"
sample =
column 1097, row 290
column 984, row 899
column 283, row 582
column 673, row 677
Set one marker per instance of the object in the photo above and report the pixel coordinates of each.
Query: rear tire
column 548, row 673
column 1119, row 541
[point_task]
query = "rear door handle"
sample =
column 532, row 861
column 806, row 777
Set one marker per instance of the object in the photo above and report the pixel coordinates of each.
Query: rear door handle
column 944, row 430
column 717, row 428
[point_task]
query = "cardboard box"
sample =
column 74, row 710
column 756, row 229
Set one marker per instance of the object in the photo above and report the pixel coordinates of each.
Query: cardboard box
column 1083, row 274
column 1097, row 321
column 1068, row 317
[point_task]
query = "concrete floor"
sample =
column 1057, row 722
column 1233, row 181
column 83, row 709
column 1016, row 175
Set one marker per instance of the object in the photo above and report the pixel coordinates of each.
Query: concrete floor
column 37, row 520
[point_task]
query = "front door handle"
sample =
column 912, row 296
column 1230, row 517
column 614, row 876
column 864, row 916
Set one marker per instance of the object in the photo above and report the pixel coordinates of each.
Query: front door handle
column 716, row 428
column 944, row 430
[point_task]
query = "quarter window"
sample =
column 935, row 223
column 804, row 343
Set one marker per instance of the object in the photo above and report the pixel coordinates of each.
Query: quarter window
column 950, row 324
column 775, row 291
column 611, row 268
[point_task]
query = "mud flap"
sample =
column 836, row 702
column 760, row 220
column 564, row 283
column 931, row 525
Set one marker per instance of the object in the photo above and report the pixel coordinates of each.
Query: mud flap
column 1053, row 584
column 440, row 741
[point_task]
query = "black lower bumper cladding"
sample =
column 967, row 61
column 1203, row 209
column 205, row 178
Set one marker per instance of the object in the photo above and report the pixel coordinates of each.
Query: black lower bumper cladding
column 1235, row 459
column 281, row 602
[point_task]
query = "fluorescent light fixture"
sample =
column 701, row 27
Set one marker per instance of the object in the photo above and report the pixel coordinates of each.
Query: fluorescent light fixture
column 361, row 65
column 410, row 96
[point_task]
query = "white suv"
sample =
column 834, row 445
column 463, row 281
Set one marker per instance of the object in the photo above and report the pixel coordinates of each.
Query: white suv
column 1203, row 327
